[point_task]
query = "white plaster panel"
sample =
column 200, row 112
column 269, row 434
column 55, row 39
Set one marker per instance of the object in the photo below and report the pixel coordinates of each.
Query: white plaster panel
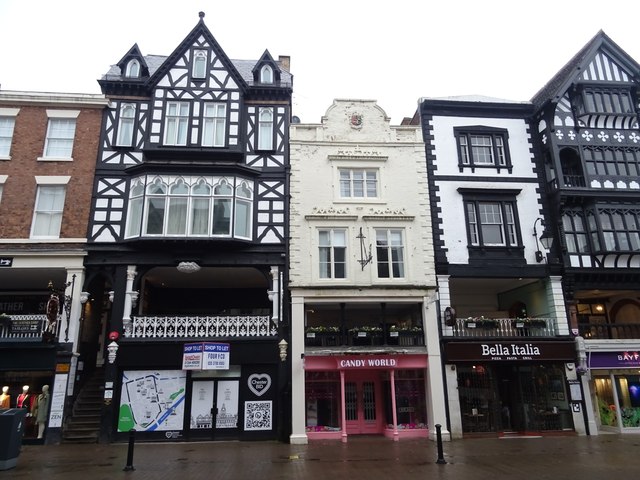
column 315, row 201
column 447, row 154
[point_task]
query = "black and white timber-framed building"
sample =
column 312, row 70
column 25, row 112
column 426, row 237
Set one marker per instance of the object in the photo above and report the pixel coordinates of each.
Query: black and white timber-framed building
column 508, row 357
column 187, row 244
column 586, row 122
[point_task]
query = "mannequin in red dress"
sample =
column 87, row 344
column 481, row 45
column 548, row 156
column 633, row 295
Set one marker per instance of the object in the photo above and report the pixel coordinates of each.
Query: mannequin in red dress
column 24, row 399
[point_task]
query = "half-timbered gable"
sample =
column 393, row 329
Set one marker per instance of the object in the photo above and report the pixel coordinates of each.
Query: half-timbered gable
column 198, row 104
column 587, row 118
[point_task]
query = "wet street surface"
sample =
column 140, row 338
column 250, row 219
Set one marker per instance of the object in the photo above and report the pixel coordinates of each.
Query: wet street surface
column 362, row 458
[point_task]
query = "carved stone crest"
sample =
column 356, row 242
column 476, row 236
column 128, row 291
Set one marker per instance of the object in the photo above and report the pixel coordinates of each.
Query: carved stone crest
column 355, row 120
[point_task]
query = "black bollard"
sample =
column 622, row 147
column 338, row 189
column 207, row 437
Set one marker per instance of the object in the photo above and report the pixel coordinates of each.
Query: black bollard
column 441, row 460
column 132, row 440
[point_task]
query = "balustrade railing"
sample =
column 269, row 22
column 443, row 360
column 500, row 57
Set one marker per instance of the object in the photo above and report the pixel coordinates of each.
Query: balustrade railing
column 609, row 331
column 224, row 326
column 22, row 328
column 501, row 327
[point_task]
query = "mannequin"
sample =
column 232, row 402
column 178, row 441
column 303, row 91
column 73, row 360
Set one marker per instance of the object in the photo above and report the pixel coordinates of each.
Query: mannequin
column 5, row 398
column 24, row 399
column 41, row 409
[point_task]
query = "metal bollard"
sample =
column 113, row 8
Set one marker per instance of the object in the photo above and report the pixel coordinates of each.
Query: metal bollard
column 132, row 440
column 441, row 460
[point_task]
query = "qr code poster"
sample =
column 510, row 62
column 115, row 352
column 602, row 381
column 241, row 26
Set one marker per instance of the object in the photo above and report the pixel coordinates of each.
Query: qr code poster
column 258, row 415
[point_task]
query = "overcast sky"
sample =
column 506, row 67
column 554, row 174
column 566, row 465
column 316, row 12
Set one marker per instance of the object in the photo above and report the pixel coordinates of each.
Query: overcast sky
column 391, row 51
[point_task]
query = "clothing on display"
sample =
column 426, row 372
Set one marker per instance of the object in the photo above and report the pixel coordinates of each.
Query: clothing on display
column 5, row 398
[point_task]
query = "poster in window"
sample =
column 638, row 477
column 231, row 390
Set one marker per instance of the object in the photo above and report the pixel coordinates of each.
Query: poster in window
column 201, row 404
column 227, row 404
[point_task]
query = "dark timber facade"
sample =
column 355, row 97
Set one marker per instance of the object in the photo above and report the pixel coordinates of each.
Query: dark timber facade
column 187, row 245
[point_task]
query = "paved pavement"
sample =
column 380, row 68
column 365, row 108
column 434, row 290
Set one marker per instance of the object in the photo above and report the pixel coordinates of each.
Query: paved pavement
column 364, row 458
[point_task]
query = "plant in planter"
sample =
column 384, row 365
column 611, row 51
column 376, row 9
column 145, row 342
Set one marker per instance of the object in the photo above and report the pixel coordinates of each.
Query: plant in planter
column 528, row 323
column 366, row 330
column 481, row 322
column 323, row 329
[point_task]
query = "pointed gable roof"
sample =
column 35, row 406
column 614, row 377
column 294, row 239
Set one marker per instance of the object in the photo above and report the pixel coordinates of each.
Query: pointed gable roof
column 200, row 30
column 134, row 53
column 627, row 69
column 266, row 59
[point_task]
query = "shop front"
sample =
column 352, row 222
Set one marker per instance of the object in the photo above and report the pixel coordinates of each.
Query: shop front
column 365, row 394
column 615, row 380
column 164, row 395
column 510, row 387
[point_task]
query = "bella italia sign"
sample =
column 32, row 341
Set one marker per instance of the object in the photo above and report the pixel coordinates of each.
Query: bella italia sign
column 510, row 351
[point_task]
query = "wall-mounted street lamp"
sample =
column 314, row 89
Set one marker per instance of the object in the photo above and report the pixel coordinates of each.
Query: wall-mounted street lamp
column 365, row 254
column 546, row 239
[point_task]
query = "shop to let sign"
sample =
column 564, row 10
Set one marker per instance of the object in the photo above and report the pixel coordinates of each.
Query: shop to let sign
column 216, row 356
column 205, row 356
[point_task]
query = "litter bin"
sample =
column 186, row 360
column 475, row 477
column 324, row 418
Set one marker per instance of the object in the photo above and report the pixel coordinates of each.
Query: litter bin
column 11, row 430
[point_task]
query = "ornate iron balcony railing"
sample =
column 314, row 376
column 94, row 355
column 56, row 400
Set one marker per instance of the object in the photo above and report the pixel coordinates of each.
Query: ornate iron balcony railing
column 502, row 327
column 227, row 326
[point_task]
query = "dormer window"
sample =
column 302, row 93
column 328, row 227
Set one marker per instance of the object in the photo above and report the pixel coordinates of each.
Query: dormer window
column 133, row 69
column 199, row 64
column 266, row 74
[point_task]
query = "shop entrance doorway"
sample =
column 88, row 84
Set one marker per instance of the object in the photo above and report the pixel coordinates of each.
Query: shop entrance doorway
column 214, row 408
column 363, row 403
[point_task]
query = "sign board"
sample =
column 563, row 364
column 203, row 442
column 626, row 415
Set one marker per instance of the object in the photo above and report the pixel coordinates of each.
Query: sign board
column 25, row 326
column 216, row 356
column 192, row 356
column 503, row 350
column 57, row 400
column 608, row 360
column 6, row 261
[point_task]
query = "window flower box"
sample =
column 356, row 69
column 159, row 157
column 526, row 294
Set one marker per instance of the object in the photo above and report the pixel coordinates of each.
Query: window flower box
column 406, row 336
column 528, row 323
column 481, row 322
column 366, row 335
column 322, row 336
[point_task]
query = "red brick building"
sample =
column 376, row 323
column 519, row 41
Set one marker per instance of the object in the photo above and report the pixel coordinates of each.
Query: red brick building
column 48, row 148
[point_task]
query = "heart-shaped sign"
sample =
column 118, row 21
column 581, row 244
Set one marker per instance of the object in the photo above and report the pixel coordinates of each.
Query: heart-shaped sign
column 259, row 383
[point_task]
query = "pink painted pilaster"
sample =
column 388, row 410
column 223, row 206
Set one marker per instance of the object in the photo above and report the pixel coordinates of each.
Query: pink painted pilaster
column 393, row 405
column 343, row 407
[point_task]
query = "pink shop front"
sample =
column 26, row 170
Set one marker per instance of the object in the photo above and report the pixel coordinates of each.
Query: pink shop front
column 365, row 395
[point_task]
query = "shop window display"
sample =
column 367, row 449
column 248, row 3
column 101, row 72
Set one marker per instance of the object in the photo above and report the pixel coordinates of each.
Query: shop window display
column 411, row 409
column 323, row 401
column 513, row 398
column 627, row 404
column 30, row 391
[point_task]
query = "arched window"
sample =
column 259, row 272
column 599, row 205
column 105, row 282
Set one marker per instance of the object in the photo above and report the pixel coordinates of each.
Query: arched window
column 133, row 69
column 266, row 74
column 199, row 64
column 244, row 201
column 125, row 125
column 265, row 129
column 222, row 198
column 156, row 207
column 177, row 214
column 199, row 206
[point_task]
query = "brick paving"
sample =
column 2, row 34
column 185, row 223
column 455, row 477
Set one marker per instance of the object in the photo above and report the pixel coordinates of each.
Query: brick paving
column 364, row 458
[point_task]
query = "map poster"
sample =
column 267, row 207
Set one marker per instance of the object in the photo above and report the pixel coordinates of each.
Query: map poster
column 152, row 400
column 227, row 404
column 201, row 404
